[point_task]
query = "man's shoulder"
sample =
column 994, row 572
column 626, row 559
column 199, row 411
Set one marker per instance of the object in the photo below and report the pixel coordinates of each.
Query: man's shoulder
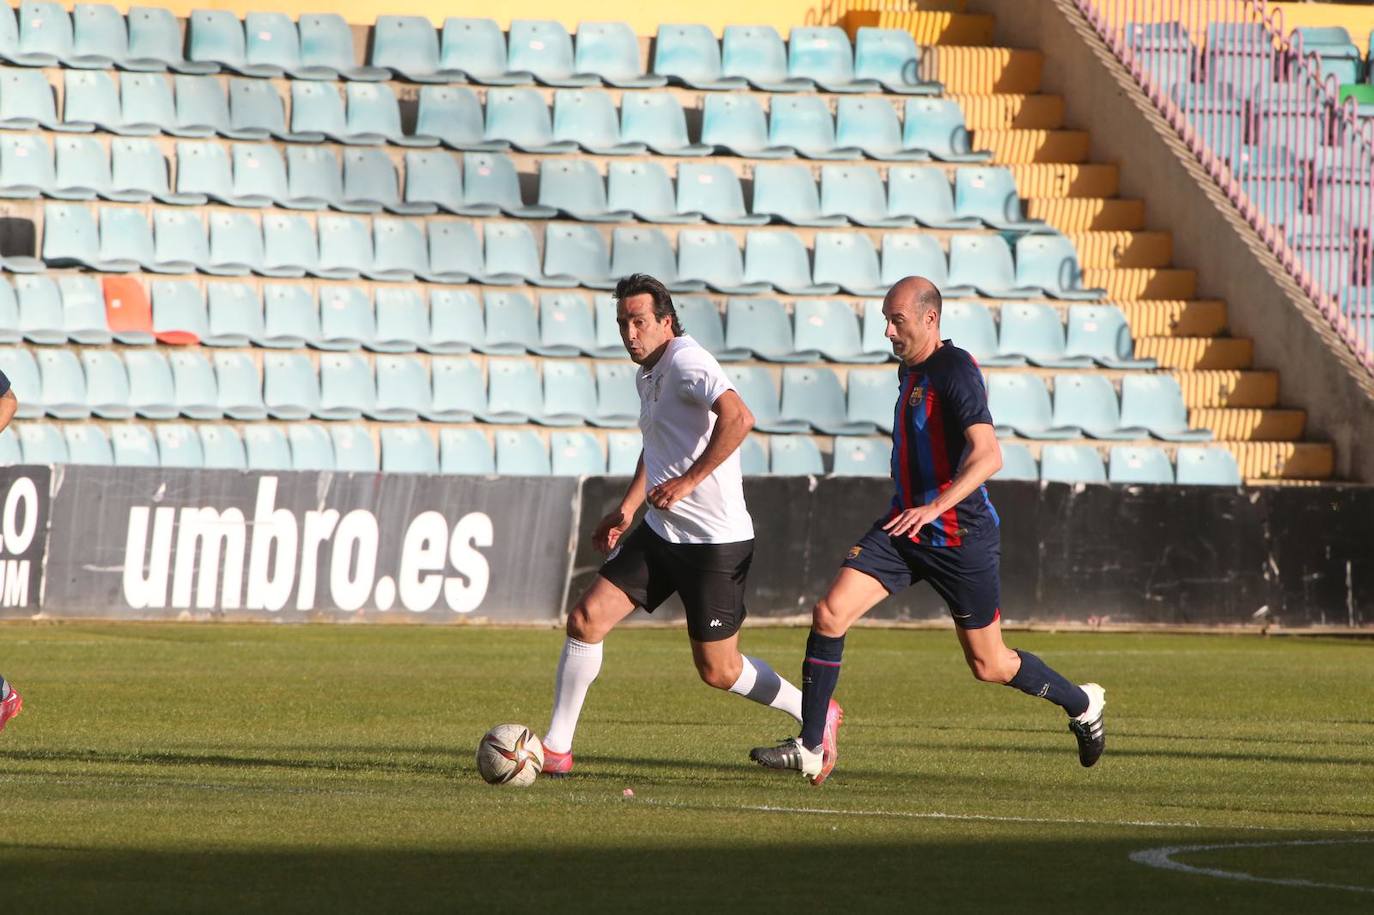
column 687, row 354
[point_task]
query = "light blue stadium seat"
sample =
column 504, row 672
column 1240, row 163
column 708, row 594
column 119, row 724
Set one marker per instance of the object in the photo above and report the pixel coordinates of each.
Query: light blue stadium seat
column 373, row 111
column 823, row 55
column 70, row 236
column 410, row 449
column 644, row 190
column 787, row 193
column 521, row 452
column 222, row 447
column 458, row 392
column 713, row 191
column 42, row 443
column 608, row 343
column 345, row 248
column 569, row 394
column 236, row 247
column 1162, row 49
column 1127, row 464
column 1017, row 463
column 762, row 327
column 1071, row 464
column 871, row 125
column 1049, row 263
column 139, row 171
column 403, row 323
column 83, row 310
column 1101, row 333
column 984, row 263
column 579, row 252
column 911, row 254
column 1240, row 53
column 513, row 257
column 347, row 321
column 924, row 194
column 318, row 111
column 936, row 125
column 622, row 453
column 204, row 169
column 178, row 445
column 803, row 123
column 1155, row 402
column 795, row 455
column 39, row 310
column 239, row 387
column 403, row 391
column 1032, row 331
column 402, row 253
column 760, row 394
column 989, row 195
column 179, row 311
column 152, row 392
column 647, row 250
column 63, row 391
column 575, row 189
column 780, row 259
column 576, row 454
column 408, row 46
column 259, row 172
column 234, row 315
column 1088, row 401
column 27, row 103
column 734, row 123
column 347, row 390
column 87, row 444
column 814, row 395
column 289, row 245
column 107, row 384
column 311, row 448
column 354, row 450
column 80, row 170
column 456, row 323
column 753, row 456
column 970, row 326
column 290, row 389
column 566, row 321
column 19, row 366
column 891, row 57
column 134, row 446
column 180, row 242
column 701, row 319
column 756, row 53
column 588, row 118
column 256, row 111
column 511, row 326
column 315, row 181
column 856, row 193
column 492, row 186
column 202, row 108
column 610, row 52
column 521, row 118
column 514, row 392
column 870, row 397
column 1210, row 466
column 465, row 451
column 848, row 260
column 193, row 380
column 617, row 402
column 543, row 48
column 89, row 97
column 272, row 40
column 266, row 448
column 1020, row 405
column 327, row 45
column 656, row 119
column 477, row 49
column 866, row 457
column 216, row 36
column 454, row 116
column 456, row 245
column 155, row 39
column 9, row 314
column 434, row 181
column 126, row 241
column 101, row 39
column 45, row 37
column 831, row 328
column 689, row 55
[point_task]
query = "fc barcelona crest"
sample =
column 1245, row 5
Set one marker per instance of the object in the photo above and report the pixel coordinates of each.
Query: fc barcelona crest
column 918, row 394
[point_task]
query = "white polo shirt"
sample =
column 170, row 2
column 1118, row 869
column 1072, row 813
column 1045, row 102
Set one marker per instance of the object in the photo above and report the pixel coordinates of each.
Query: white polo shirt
column 675, row 399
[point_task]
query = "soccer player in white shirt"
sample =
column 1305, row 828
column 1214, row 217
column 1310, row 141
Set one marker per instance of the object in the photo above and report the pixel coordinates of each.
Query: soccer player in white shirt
column 696, row 539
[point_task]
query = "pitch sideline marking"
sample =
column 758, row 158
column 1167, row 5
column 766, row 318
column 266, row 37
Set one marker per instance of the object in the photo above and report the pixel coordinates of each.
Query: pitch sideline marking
column 1163, row 858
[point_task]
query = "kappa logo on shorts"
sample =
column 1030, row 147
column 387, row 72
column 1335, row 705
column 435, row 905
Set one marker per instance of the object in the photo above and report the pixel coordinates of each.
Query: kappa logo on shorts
column 854, row 552
column 716, row 623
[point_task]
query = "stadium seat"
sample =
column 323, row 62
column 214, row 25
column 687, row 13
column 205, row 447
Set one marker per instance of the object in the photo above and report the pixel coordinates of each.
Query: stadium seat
column 239, row 386
column 311, row 448
column 871, row 395
column 83, row 311
column 830, row 327
column 408, row 46
column 795, row 455
column 9, row 314
column 984, row 263
column 644, row 190
column 491, row 186
column 146, row 98
column 453, row 115
column 866, row 457
column 43, row 443
column 402, row 389
column 476, row 48
column 39, row 310
column 608, row 343
column 713, row 192
column 155, row 42
column 780, row 260
column 521, row 118
column 87, row 444
column 236, row 247
column 346, row 319
column 871, row 125
column 1020, row 405
column 180, row 242
column 575, row 189
column 327, row 49
column 513, row 257
column 203, row 169
column 521, row 452
column 259, row 173
column 712, row 257
column 374, row 113
column 89, row 97
column 266, row 447
column 180, row 316
column 617, row 402
column 139, row 170
column 71, row 238
column 610, row 52
column 354, row 450
column 936, row 125
column 647, row 250
column 656, row 119
column 543, row 48
column 622, row 453
column 989, row 195
column 1128, row 464
column 823, row 55
column 289, row 245
column 1162, row 49
column 100, row 39
column 63, row 390
column 1240, row 53
column 79, row 169
column 566, row 325
column 318, row 111
column 1032, row 331
column 27, row 103
column 787, row 193
column 1088, row 401
column 235, row 315
column 569, row 394
column 890, row 57
column 753, row 456
column 458, row 393
column 1071, row 464
column 1207, row 467
column 345, row 248
column 762, row 327
column 222, row 447
column 578, row 252
column 193, row 380
column 465, row 451
column 107, row 384
column 456, row 324
column 410, row 449
column 514, row 392
column 128, row 311
column 434, row 181
column 216, row 36
column 735, row 124
column 202, row 107
column 815, row 396
column 588, row 118
column 756, row 53
column 19, row 366
column 1017, row 463
column 1101, row 333
column 701, row 319
column 970, row 326
column 178, row 445
column 134, row 446
column 856, row 193
column 152, row 393
column 403, row 324
column 689, row 55
column 272, row 40
column 849, row 260
column 911, row 254
column 256, row 111
column 455, row 244
column 1049, row 263
column 1155, row 402
column 755, row 386
column 401, row 253
column 804, row 123
column 45, row 35
column 290, row 389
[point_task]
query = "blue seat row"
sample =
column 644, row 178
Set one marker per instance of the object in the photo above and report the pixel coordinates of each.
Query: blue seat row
column 1130, row 464
column 1086, row 404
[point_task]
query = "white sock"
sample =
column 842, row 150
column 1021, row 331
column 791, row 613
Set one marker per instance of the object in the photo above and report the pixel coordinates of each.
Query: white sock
column 577, row 668
column 759, row 682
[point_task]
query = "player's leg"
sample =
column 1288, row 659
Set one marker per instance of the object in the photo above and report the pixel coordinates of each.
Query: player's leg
column 721, row 664
column 10, row 703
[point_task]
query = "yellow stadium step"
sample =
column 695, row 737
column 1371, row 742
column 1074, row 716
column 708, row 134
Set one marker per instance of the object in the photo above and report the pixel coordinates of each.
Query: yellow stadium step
column 1081, row 214
column 1010, row 146
column 1175, row 318
column 1197, row 352
column 927, row 26
column 984, row 71
column 1250, row 425
column 1143, row 283
column 1011, row 110
column 1123, row 249
column 1284, row 460
column 1211, row 388
column 1059, row 180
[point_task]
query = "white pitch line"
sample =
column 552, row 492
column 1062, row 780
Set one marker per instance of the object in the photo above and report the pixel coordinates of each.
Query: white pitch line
column 1163, row 858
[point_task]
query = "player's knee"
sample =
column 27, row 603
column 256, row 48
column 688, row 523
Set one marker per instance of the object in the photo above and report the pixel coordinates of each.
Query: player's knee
column 718, row 675
column 582, row 625
column 824, row 620
column 990, row 670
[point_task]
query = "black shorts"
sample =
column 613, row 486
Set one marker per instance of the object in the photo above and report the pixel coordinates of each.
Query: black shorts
column 966, row 576
column 708, row 576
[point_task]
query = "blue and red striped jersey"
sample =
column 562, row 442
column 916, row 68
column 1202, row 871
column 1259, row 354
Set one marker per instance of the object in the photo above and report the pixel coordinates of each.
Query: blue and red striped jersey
column 938, row 400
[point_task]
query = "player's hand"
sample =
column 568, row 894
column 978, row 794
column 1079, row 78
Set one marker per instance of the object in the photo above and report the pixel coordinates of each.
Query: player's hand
column 911, row 520
column 608, row 532
column 669, row 492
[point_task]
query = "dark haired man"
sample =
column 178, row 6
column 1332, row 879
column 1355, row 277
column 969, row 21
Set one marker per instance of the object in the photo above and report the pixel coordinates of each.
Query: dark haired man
column 696, row 539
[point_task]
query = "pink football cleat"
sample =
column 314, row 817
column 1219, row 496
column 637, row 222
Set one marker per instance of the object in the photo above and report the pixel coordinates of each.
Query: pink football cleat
column 14, row 705
column 830, row 741
column 556, row 763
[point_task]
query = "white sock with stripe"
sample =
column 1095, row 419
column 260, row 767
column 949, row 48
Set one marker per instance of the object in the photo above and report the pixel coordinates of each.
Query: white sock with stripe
column 760, row 683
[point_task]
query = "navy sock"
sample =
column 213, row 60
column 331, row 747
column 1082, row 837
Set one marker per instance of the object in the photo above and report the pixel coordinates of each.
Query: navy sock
column 820, row 673
column 1036, row 678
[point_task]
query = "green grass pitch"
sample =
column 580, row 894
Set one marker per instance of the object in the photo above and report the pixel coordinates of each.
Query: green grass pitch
column 176, row 768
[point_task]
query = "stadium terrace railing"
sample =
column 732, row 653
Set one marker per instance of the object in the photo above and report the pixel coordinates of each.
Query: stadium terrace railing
column 1254, row 108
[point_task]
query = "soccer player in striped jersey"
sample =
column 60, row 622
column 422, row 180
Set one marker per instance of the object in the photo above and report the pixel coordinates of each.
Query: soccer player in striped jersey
column 940, row 528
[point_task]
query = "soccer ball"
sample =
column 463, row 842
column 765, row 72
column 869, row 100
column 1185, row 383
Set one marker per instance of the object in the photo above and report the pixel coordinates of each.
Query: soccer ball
column 510, row 754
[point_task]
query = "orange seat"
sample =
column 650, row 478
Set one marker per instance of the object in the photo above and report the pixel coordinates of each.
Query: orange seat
column 128, row 309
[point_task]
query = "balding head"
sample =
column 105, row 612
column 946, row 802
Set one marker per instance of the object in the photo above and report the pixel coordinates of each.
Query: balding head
column 917, row 292
column 912, row 310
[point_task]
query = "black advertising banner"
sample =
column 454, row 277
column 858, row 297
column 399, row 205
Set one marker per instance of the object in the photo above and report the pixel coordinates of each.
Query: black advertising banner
column 24, row 504
column 160, row 543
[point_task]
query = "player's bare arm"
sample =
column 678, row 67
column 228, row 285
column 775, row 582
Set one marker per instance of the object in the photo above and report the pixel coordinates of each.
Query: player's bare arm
column 733, row 422
column 616, row 523
column 9, row 404
column 983, row 459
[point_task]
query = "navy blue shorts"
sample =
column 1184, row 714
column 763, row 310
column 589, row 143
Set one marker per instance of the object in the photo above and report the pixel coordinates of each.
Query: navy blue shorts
column 965, row 576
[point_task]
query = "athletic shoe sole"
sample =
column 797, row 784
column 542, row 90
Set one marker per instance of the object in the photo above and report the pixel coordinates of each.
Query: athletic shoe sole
column 11, row 707
column 830, row 742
